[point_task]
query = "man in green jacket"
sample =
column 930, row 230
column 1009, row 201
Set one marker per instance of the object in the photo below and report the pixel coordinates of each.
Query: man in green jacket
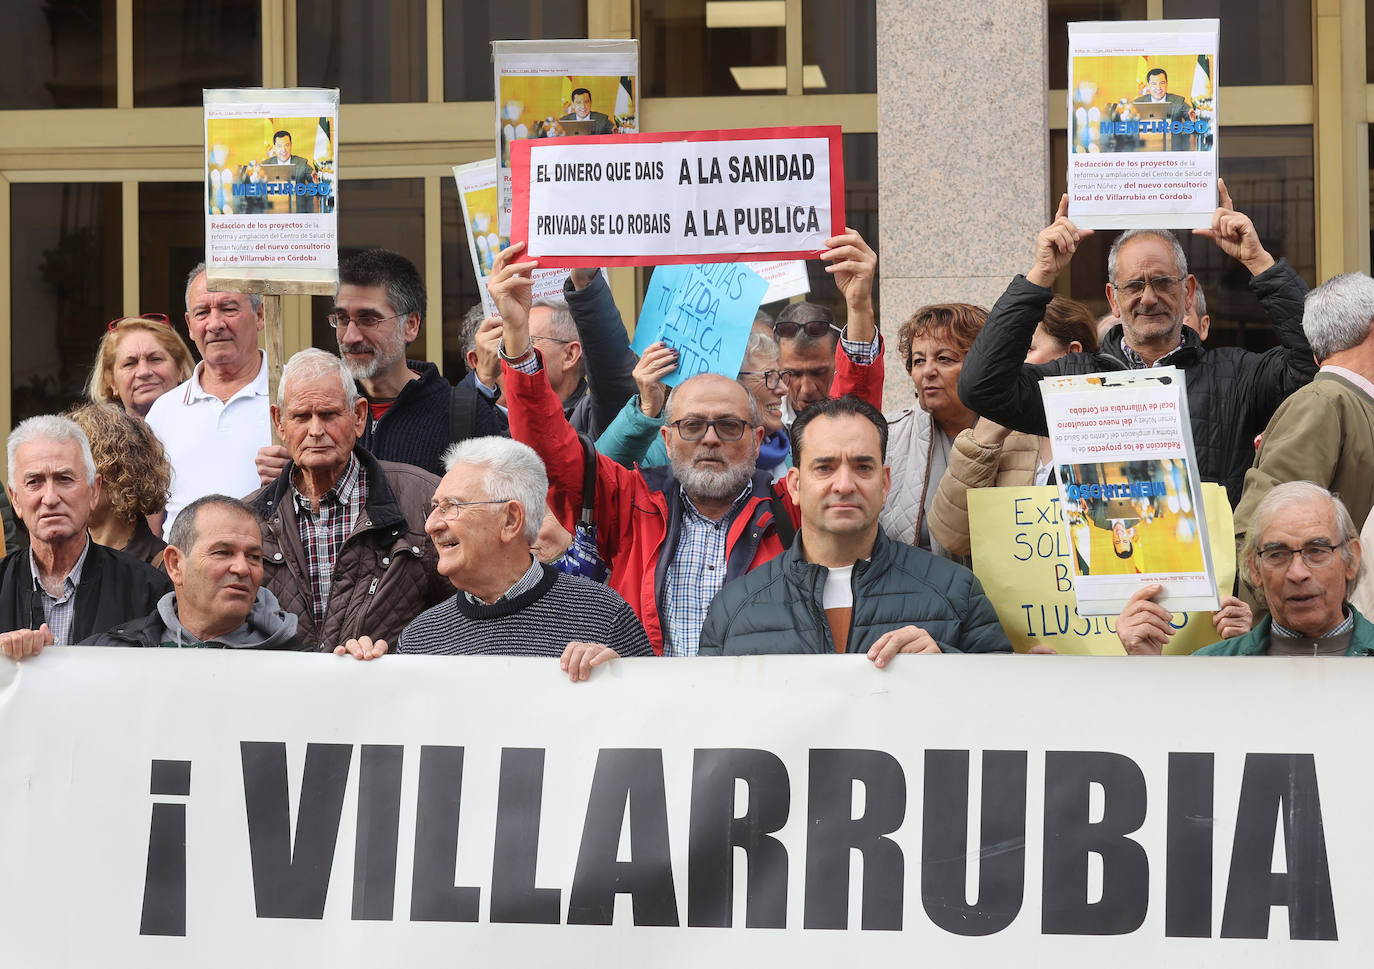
column 1303, row 553
column 844, row 586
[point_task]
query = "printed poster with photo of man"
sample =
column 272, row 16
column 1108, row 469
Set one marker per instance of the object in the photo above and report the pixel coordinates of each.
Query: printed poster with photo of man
column 559, row 88
column 1129, row 492
column 1142, row 120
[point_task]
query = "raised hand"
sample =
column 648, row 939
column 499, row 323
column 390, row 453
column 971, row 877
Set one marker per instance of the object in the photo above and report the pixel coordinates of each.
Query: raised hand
column 1235, row 234
column 658, row 361
column 1055, row 246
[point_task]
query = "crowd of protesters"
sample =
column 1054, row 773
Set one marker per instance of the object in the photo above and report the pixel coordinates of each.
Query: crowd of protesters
column 561, row 501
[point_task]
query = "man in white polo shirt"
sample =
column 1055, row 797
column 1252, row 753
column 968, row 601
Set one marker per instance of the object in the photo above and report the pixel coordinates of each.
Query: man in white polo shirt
column 214, row 424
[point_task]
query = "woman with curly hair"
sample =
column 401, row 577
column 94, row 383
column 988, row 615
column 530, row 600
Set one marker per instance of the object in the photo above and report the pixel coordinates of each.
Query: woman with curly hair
column 990, row 455
column 134, row 478
column 139, row 359
column 932, row 344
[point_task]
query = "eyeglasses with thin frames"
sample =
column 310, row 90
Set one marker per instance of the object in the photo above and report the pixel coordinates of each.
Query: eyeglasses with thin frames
column 340, row 321
column 771, row 378
column 449, row 510
column 1277, row 558
column 1162, row 285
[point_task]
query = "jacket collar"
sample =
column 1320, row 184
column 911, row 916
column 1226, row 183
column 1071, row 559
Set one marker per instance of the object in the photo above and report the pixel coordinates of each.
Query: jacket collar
column 381, row 509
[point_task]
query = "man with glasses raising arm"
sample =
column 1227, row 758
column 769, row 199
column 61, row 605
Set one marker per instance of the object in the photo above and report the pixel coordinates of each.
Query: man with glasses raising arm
column 674, row 534
column 1232, row 393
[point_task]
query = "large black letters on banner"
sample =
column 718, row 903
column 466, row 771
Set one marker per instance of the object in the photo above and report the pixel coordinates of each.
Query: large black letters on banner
column 164, row 883
column 290, row 881
column 1188, row 866
column 1279, row 788
column 1002, row 848
column 514, row 898
column 716, row 831
column 626, row 780
column 379, row 822
column 831, row 834
column 433, row 896
column 1070, row 837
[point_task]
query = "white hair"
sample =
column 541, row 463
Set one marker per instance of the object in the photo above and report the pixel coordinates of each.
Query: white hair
column 1164, row 235
column 50, row 427
column 1337, row 314
column 514, row 473
column 311, row 364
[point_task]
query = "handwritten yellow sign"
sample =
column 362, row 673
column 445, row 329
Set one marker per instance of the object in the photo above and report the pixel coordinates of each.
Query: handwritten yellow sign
column 1022, row 556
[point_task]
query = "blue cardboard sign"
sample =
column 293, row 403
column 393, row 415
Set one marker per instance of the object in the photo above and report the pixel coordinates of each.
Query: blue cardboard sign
column 704, row 311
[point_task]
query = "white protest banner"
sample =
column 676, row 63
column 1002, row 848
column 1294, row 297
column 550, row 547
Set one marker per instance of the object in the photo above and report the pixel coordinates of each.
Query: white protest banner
column 271, row 184
column 173, row 808
column 556, row 88
column 476, row 183
column 1025, row 562
column 1143, row 124
column 785, row 277
column 756, row 194
column 1128, row 489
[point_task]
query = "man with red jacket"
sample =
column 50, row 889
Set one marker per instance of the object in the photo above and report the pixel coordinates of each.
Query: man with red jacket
column 674, row 534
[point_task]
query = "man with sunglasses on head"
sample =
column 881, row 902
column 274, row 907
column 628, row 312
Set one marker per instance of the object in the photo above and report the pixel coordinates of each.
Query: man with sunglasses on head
column 674, row 534
column 1232, row 393
column 814, row 350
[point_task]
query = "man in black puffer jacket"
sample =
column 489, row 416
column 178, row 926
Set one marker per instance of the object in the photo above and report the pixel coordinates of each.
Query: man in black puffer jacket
column 844, row 586
column 1232, row 393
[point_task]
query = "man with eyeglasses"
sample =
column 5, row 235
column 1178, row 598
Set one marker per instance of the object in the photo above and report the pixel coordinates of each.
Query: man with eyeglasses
column 1232, row 393
column 215, row 426
column 414, row 414
column 1304, row 555
column 483, row 519
column 674, row 534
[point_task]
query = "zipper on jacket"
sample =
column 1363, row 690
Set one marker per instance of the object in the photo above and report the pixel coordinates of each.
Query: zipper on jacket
column 373, row 587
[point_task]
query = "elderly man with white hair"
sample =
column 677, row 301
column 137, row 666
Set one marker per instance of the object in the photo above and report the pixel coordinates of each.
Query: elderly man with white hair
column 1324, row 432
column 66, row 587
column 344, row 547
column 483, row 519
column 1303, row 554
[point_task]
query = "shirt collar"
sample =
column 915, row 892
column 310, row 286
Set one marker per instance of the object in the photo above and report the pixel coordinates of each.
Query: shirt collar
column 73, row 578
column 734, row 505
column 1137, row 362
column 522, row 585
column 257, row 387
column 1342, row 627
column 341, row 492
column 1357, row 379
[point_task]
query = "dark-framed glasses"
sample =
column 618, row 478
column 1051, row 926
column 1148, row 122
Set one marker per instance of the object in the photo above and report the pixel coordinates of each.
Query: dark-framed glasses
column 449, row 510
column 1276, row 558
column 364, row 321
column 694, row 428
column 1162, row 285
column 771, row 378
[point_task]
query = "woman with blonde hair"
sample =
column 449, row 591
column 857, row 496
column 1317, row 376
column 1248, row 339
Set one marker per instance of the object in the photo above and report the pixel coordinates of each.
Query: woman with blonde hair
column 139, row 359
column 134, row 479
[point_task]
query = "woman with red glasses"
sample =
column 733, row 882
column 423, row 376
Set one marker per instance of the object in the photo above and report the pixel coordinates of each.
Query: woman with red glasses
column 139, row 359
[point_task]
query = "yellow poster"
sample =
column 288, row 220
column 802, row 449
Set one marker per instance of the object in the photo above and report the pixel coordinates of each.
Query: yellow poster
column 1023, row 559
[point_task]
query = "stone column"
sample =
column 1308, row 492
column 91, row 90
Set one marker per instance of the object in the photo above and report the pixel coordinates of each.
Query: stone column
column 963, row 154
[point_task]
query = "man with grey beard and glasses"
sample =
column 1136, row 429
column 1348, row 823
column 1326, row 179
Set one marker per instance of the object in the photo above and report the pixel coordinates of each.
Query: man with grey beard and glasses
column 673, row 534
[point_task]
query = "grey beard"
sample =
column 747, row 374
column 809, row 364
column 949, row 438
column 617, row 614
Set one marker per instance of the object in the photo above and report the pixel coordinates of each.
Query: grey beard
column 362, row 371
column 711, row 485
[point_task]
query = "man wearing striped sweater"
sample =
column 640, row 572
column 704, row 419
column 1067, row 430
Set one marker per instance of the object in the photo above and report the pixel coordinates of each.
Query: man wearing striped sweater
column 483, row 519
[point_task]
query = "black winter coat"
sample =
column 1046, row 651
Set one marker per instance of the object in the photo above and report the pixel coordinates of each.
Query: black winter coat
column 1232, row 393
